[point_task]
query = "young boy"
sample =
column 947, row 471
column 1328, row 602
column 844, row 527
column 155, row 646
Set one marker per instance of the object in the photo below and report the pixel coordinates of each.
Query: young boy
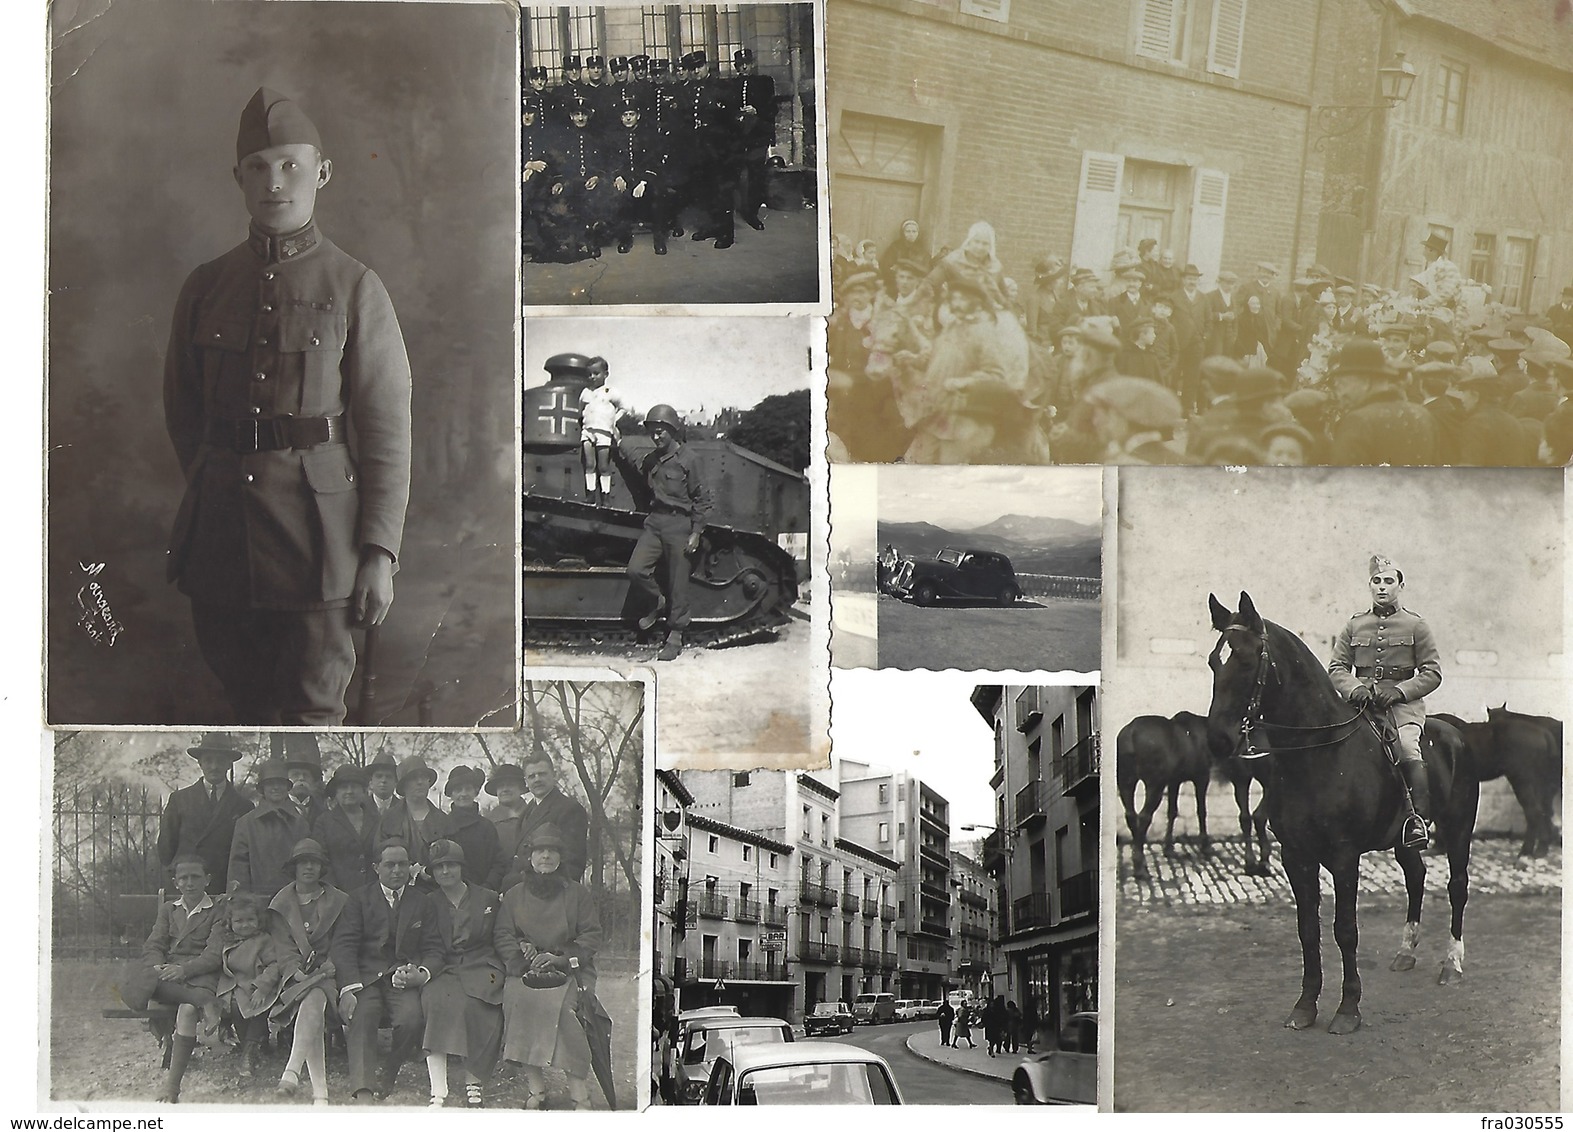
column 599, row 406
column 280, row 352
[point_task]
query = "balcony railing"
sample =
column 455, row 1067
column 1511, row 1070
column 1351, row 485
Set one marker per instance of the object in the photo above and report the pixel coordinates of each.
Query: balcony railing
column 712, row 906
column 1029, row 802
column 813, row 951
column 934, row 891
column 810, row 893
column 660, row 889
column 826, row 897
column 934, row 927
column 888, row 960
column 887, row 912
column 1078, row 895
column 1029, row 708
column 1079, row 766
column 748, row 969
column 1031, row 911
column 935, row 853
column 774, row 915
column 974, row 931
column 870, row 907
column 851, row 956
column 849, row 901
column 747, row 911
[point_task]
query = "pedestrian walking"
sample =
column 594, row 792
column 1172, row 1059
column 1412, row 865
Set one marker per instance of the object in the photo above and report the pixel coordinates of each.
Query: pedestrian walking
column 947, row 1018
column 964, row 1027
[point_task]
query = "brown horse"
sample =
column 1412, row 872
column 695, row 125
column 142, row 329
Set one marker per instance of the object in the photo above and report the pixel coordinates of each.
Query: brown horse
column 1522, row 750
column 1161, row 754
column 1333, row 795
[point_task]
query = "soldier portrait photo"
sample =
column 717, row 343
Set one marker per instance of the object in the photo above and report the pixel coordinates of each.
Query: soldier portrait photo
column 1298, row 645
column 235, row 917
column 669, row 154
column 280, row 368
column 668, row 517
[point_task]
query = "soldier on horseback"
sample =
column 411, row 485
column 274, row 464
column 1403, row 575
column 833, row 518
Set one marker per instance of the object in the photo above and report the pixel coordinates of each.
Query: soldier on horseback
column 1385, row 661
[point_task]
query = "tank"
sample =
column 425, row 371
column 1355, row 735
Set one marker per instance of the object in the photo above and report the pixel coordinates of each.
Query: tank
column 577, row 542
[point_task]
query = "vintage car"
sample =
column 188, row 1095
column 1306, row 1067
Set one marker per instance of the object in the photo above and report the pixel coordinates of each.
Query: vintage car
column 978, row 575
column 822, row 1073
column 1066, row 1073
column 828, row 1018
column 708, row 1038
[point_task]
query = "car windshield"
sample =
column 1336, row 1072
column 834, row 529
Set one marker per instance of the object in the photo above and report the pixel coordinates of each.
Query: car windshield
column 828, row 1008
column 953, row 557
column 841, row 1083
column 705, row 1046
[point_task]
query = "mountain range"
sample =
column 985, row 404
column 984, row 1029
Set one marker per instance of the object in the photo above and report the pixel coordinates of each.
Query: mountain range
column 1034, row 544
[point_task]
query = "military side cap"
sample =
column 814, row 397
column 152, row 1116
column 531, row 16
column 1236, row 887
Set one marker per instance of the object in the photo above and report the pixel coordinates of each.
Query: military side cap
column 1379, row 563
column 1143, row 403
column 505, row 773
column 216, row 744
column 271, row 119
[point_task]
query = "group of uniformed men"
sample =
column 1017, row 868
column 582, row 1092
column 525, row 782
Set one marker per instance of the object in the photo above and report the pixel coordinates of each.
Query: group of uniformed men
column 635, row 141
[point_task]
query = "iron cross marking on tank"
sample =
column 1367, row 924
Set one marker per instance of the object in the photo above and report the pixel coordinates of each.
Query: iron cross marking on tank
column 560, row 414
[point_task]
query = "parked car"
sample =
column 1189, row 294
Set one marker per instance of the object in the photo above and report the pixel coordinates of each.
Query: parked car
column 703, row 1042
column 907, row 1009
column 665, row 1073
column 959, row 998
column 976, row 574
column 828, row 1018
column 823, row 1073
column 928, row 1009
column 871, row 1009
column 1065, row 1074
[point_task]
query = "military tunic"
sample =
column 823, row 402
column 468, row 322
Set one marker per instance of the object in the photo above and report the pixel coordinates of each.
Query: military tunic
column 1388, row 649
column 679, row 507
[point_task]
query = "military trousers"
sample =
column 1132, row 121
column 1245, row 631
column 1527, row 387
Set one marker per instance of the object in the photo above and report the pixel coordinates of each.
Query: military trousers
column 288, row 667
column 662, row 547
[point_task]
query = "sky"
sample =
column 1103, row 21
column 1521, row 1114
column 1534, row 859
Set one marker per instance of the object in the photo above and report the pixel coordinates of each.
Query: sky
column 883, row 717
column 688, row 363
column 964, row 498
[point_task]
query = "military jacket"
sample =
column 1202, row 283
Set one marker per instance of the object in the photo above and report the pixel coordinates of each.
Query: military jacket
column 279, row 327
column 677, row 484
column 1388, row 648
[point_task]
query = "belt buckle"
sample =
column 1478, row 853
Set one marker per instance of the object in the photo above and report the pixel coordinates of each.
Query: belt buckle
column 244, row 445
column 1376, row 673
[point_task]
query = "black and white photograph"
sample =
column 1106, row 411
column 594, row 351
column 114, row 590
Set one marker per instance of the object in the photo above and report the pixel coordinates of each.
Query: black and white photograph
column 980, row 569
column 668, row 521
column 669, row 156
column 412, row 919
column 916, row 923
column 281, row 372
column 1178, row 232
column 1358, row 676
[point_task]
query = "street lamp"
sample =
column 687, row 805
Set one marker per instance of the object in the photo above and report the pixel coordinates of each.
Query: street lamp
column 1394, row 82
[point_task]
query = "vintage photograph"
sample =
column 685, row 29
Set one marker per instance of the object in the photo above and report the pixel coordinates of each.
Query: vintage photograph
column 1209, row 233
column 918, row 920
column 669, row 155
column 667, row 520
column 1369, row 715
column 400, row 919
column 280, row 372
column 981, row 569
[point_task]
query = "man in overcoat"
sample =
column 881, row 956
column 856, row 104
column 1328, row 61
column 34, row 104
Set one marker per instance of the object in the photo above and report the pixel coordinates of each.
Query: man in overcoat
column 546, row 804
column 200, row 819
column 1379, row 425
column 287, row 400
column 265, row 837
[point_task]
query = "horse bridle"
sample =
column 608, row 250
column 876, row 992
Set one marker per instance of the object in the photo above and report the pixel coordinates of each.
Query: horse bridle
column 1252, row 717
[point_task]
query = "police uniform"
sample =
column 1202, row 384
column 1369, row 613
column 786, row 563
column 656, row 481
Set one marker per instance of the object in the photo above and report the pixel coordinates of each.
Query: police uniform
column 279, row 352
column 1391, row 648
column 633, row 154
column 755, row 98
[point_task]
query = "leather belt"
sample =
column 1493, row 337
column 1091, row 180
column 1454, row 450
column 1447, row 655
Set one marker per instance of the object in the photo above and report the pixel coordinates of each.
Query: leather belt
column 1383, row 673
column 271, row 434
column 666, row 509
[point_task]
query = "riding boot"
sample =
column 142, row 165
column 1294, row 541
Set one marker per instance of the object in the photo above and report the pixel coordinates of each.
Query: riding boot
column 181, row 1048
column 1416, row 825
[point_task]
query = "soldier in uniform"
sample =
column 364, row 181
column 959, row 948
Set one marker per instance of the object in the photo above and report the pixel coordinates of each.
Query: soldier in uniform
column 535, row 79
column 571, row 87
column 597, row 91
column 755, row 97
column 639, row 81
column 280, row 351
column 632, row 156
column 1385, row 660
column 679, row 505
column 537, row 161
column 580, row 189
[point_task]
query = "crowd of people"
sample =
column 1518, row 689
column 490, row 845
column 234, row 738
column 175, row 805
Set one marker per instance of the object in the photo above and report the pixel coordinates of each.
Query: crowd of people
column 1006, row 1026
column 942, row 358
column 633, row 142
column 359, row 903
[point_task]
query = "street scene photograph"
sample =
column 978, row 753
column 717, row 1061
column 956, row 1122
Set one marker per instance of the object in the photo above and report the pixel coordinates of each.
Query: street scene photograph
column 415, row 919
column 280, row 366
column 1315, row 701
column 916, row 923
column 669, row 155
column 979, row 569
column 1208, row 233
column 667, row 521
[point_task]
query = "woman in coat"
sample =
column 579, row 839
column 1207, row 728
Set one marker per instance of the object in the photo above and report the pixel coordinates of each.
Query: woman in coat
column 463, row 1002
column 547, row 934
column 477, row 835
column 301, row 919
column 414, row 818
column 347, row 832
column 975, row 261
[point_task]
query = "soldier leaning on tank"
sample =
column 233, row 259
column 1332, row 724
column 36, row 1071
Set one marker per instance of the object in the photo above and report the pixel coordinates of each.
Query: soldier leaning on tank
column 755, row 97
column 1385, row 660
column 632, row 151
column 680, row 503
column 281, row 351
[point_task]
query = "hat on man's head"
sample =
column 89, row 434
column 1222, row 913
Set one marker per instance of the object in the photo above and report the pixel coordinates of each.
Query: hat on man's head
column 1259, row 383
column 536, row 73
column 1143, row 244
column 571, row 63
column 1228, row 278
column 1049, row 267
column 1221, row 374
column 1191, row 271
column 1379, row 563
column 546, row 837
column 963, row 284
column 619, row 64
column 272, row 770
column 660, row 66
column 1361, row 357
column 1394, row 330
column 300, row 749
column 345, row 775
column 307, row 849
column 640, row 64
column 1505, row 346
column 1318, row 271
column 271, row 119
column 1095, row 332
column 1144, row 403
column 743, row 55
column 215, row 744
column 384, row 760
column 1345, row 290
column 1080, row 275
column 1267, row 268
column 858, row 279
column 594, row 61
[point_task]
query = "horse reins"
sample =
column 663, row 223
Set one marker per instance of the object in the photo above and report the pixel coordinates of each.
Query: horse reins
column 1252, row 718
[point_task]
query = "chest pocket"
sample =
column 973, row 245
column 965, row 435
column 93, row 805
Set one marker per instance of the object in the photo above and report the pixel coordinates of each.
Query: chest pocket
column 217, row 331
column 311, row 345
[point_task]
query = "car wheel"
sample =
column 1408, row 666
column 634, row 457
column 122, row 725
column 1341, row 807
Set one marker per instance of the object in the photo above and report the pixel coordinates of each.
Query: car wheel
column 925, row 594
column 1022, row 1088
column 1009, row 596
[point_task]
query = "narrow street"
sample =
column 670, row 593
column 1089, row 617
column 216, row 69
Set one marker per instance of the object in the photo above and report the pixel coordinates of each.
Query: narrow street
column 923, row 1081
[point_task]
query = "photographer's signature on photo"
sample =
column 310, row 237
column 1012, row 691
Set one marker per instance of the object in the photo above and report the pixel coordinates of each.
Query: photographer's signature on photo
column 94, row 616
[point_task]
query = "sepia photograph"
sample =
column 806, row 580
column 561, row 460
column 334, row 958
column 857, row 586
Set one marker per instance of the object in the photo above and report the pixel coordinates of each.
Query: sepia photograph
column 280, row 373
column 244, row 918
column 980, row 569
column 1208, row 233
column 915, row 924
column 667, row 521
column 669, row 155
column 1371, row 711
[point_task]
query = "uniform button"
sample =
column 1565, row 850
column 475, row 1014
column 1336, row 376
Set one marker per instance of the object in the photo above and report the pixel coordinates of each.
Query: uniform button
column 350, row 476
column 218, row 334
column 315, row 341
column 267, row 307
column 262, row 377
column 256, row 410
column 268, row 276
column 251, row 479
column 262, row 341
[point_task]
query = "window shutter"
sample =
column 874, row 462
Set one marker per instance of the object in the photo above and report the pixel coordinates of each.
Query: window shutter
column 1209, row 198
column 1228, row 38
column 1155, row 28
column 1097, row 210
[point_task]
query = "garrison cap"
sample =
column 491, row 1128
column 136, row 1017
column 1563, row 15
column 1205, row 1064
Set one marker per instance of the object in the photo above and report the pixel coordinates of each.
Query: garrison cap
column 1380, row 562
column 271, row 119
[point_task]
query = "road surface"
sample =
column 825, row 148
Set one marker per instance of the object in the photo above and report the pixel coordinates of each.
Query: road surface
column 1048, row 635
column 922, row 1081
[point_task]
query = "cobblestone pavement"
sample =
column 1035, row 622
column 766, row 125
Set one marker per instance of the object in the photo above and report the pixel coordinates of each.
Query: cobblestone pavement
column 1189, row 878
